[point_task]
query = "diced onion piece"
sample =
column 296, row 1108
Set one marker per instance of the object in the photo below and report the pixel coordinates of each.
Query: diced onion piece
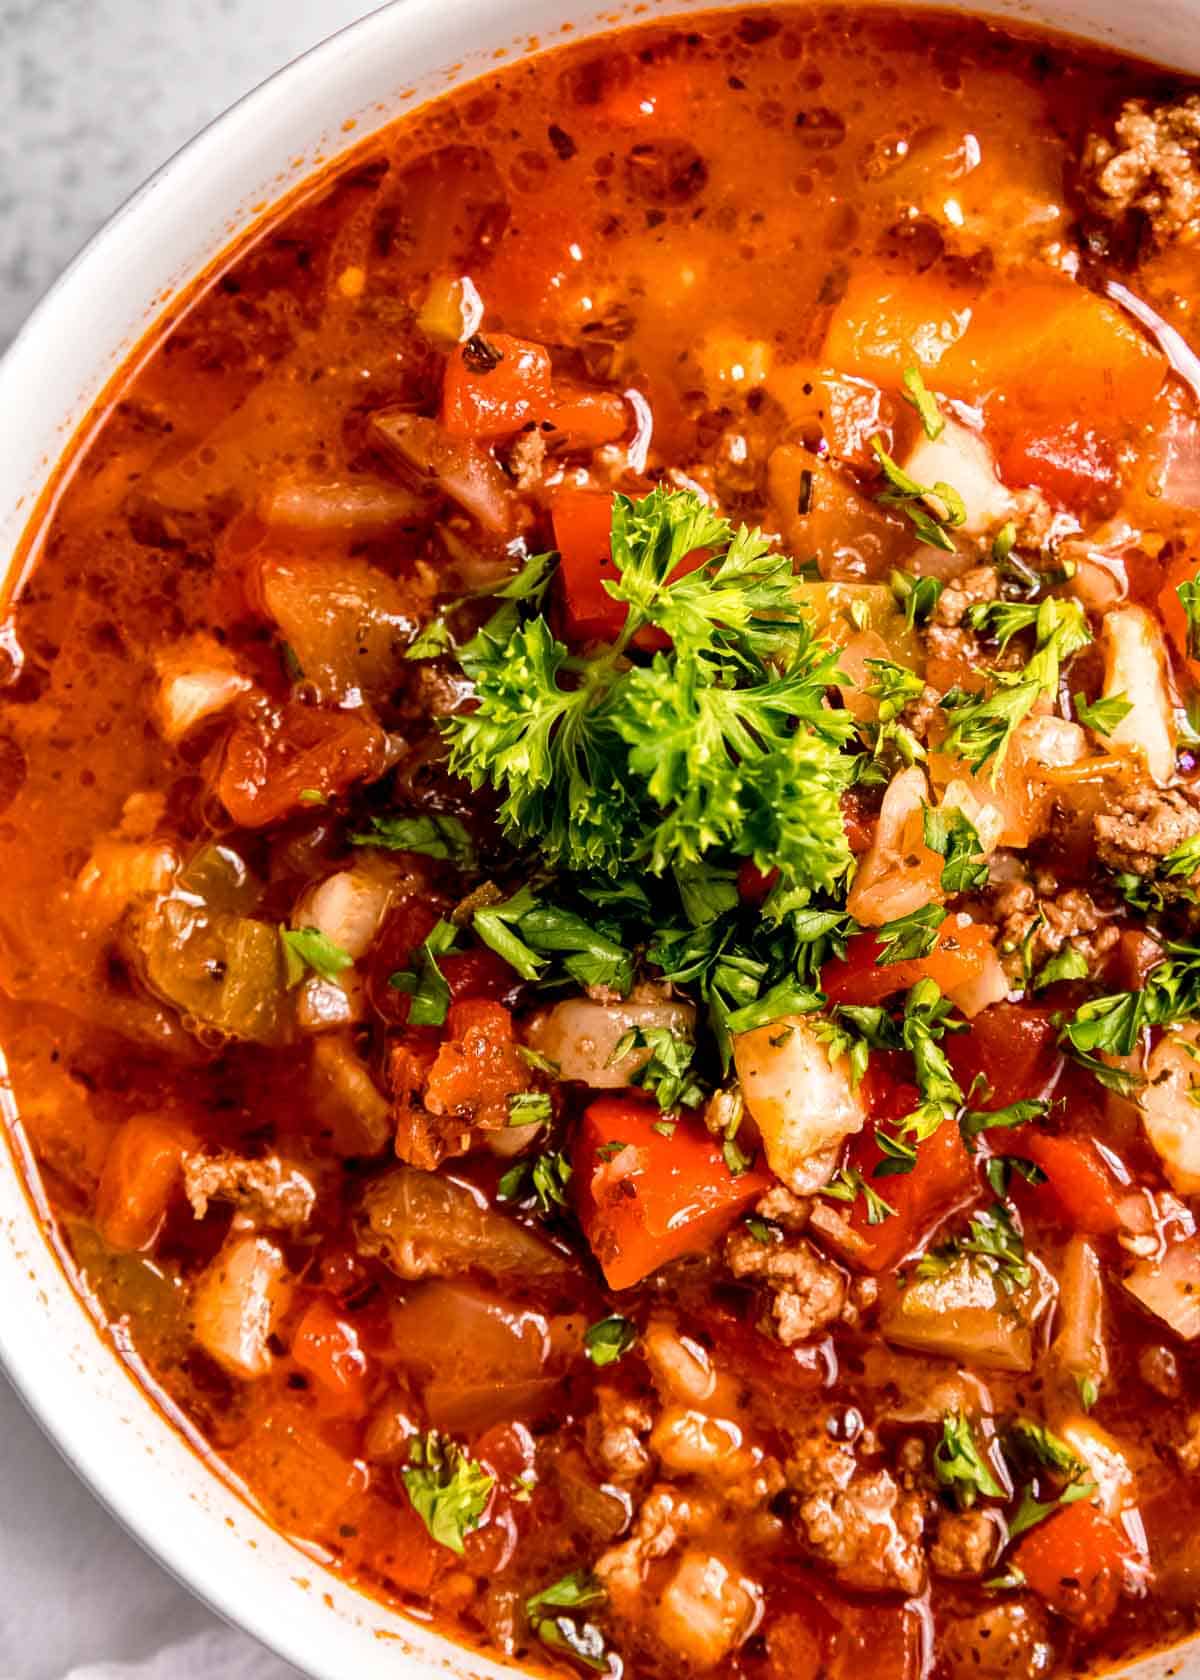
column 197, row 679
column 987, row 985
column 1107, row 1464
column 347, row 623
column 355, row 507
column 706, row 1610
column 238, row 1302
column 1169, row 1287
column 1079, row 1349
column 349, row 907
column 1135, row 667
column 459, row 468
column 1169, row 1111
column 452, row 311
column 964, row 1313
column 346, row 1101
column 898, row 873
column 800, row 1098
column 325, row 1005
column 580, row 1035
column 961, row 459
column 120, row 872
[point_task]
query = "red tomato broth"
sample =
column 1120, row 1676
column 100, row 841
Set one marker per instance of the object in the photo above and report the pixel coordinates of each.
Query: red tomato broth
column 732, row 220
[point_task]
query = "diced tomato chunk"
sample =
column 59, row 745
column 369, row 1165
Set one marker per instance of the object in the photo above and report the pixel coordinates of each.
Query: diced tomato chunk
column 1078, row 1561
column 645, row 1198
column 142, row 1172
column 1014, row 1047
column 486, row 400
column 478, row 974
column 943, row 1180
column 1081, row 1187
column 752, row 884
column 272, row 758
column 1072, row 462
column 326, row 1348
column 589, row 417
column 478, row 1066
column 858, row 977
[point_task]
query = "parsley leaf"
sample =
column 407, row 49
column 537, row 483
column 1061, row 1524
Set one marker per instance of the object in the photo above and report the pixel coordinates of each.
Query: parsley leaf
column 581, row 1640
column 982, row 725
column 1189, row 599
column 609, row 1339
column 959, row 1465
column 667, row 1074
column 918, row 394
column 529, row 1108
column 917, row 595
column 722, row 744
column 426, row 984
column 911, row 936
column 1183, row 861
column 975, row 1121
column 954, row 837
column 1101, row 715
column 430, row 835
column 993, row 1243
column 932, row 510
column 1067, row 964
column 848, row 1184
column 446, row 1488
column 308, row 947
column 1032, row 1511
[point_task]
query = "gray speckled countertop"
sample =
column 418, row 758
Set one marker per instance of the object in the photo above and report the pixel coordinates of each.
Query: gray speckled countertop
column 94, row 95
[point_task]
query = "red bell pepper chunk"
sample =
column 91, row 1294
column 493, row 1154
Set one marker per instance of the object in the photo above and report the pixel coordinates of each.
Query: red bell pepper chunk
column 1077, row 1561
column 1014, row 1047
column 583, row 536
column 1081, row 1188
column 859, row 978
column 645, row 1198
column 942, row 1181
column 489, row 402
column 273, row 759
column 1073, row 464
column 326, row 1348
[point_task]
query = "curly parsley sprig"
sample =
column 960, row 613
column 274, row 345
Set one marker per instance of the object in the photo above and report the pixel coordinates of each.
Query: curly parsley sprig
column 721, row 745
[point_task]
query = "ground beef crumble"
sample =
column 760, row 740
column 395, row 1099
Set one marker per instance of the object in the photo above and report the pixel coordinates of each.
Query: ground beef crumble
column 1152, row 167
column 1141, row 828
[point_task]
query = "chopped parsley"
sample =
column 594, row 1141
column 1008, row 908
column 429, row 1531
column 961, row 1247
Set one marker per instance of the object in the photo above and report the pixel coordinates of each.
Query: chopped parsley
column 429, row 835
column 917, row 595
column 722, row 744
column 912, row 936
column 959, row 1465
column 974, row 1121
column 954, row 837
column 448, row 1490
column 667, row 1073
column 426, row 984
column 1103, row 716
column 982, row 725
column 922, row 399
column 549, row 1618
column 529, row 1108
column 609, row 1340
column 1067, row 964
column 993, row 1244
column 308, row 948
column 933, row 511
column 848, row 1184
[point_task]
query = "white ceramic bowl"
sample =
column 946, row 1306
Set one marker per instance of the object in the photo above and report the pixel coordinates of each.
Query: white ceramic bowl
column 69, row 1373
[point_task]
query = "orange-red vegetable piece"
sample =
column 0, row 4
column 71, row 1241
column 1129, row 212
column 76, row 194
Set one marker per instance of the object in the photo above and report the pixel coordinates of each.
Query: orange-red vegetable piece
column 654, row 1198
column 142, row 1171
column 1077, row 1561
column 326, row 1348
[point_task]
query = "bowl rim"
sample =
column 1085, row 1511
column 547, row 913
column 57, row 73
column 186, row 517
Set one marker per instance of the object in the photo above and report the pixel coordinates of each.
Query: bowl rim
column 57, row 1382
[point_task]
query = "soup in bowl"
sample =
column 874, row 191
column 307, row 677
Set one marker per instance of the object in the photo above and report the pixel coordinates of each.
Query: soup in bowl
column 601, row 831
